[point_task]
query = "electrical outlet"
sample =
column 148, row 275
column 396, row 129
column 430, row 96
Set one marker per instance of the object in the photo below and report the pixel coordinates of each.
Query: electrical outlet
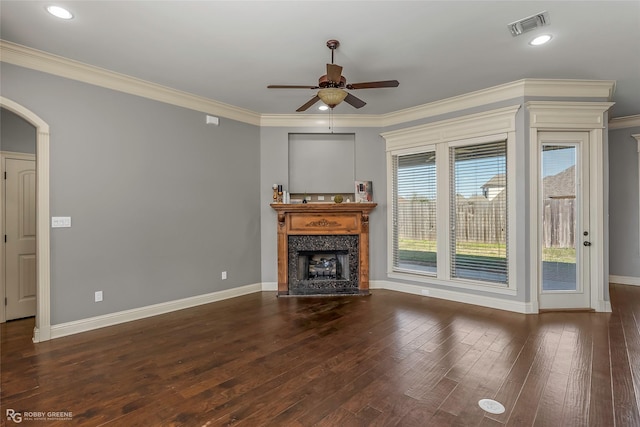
column 98, row 296
column 224, row 275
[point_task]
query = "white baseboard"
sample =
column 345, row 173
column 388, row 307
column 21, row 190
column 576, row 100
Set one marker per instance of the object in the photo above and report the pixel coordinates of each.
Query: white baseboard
column 84, row 325
column 269, row 286
column 484, row 301
column 604, row 306
column 625, row 280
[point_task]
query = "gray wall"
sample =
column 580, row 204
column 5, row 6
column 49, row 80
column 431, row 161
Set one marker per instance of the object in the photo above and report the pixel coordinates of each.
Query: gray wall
column 624, row 252
column 16, row 134
column 160, row 202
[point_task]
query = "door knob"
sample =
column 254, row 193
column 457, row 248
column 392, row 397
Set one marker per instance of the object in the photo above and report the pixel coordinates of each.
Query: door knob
column 586, row 243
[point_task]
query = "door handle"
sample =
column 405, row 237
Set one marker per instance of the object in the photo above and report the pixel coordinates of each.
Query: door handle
column 586, row 243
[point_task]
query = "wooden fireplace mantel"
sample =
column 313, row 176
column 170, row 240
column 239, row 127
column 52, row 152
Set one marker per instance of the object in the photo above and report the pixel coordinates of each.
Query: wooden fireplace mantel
column 323, row 219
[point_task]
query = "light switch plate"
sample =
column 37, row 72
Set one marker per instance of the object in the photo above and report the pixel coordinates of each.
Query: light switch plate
column 60, row 222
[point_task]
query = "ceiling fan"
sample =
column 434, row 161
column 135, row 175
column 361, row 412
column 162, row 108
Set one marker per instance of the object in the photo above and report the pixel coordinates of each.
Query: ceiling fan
column 333, row 84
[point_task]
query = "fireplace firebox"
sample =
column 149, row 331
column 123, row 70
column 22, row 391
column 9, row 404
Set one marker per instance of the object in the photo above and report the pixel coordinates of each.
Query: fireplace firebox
column 323, row 248
column 323, row 264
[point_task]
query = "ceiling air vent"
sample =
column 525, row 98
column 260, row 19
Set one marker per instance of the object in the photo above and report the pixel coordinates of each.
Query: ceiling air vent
column 527, row 24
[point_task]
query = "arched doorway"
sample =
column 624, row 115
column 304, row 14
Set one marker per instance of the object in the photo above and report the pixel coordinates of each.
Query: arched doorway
column 42, row 331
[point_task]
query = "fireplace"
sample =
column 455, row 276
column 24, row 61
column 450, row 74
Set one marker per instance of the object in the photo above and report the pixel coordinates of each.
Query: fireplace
column 323, row 248
column 320, row 265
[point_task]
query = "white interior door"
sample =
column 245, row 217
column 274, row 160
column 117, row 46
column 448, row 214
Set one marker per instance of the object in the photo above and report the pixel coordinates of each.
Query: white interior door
column 563, row 206
column 20, row 231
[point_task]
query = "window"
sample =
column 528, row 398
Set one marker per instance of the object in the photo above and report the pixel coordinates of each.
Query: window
column 478, row 243
column 452, row 202
column 414, row 207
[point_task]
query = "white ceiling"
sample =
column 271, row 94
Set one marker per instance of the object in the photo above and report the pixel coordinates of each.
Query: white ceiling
column 229, row 51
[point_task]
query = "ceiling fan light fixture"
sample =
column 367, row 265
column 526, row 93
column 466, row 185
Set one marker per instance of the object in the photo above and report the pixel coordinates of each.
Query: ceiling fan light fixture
column 332, row 96
column 323, row 108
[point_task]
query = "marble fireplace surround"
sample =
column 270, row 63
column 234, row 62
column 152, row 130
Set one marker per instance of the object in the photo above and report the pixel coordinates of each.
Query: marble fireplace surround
column 321, row 227
column 327, row 245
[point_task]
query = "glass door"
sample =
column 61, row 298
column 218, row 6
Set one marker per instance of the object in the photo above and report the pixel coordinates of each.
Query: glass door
column 564, row 217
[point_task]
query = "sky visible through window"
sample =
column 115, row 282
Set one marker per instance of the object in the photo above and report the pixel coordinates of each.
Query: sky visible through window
column 557, row 160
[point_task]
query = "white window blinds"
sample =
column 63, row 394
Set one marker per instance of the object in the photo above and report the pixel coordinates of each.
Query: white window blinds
column 478, row 212
column 414, row 210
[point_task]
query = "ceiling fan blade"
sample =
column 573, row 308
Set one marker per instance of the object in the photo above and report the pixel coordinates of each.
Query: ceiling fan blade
column 309, row 103
column 291, row 87
column 354, row 101
column 334, row 72
column 373, row 85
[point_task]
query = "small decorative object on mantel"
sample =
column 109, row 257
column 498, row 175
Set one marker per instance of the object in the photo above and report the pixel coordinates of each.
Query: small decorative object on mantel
column 278, row 193
column 364, row 192
column 337, row 198
column 304, row 198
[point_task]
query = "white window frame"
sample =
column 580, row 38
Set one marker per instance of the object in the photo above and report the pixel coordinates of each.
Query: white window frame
column 489, row 126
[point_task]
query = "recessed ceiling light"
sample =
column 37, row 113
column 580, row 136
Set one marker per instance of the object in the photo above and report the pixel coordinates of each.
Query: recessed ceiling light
column 540, row 40
column 59, row 12
column 323, row 107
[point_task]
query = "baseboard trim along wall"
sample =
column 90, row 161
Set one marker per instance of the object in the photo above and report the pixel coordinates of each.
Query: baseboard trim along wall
column 84, row 325
column 625, row 280
column 269, row 286
column 484, row 301
column 89, row 324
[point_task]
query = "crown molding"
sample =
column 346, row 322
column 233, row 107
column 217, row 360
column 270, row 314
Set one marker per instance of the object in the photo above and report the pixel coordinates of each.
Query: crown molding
column 45, row 62
column 499, row 121
column 526, row 87
column 625, row 122
column 567, row 114
column 52, row 64
column 324, row 120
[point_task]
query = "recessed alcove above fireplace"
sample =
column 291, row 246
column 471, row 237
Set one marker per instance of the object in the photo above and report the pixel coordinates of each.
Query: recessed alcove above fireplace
column 323, row 248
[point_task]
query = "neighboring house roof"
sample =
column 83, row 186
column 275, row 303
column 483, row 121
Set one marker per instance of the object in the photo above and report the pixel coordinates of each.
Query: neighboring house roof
column 561, row 185
column 498, row 181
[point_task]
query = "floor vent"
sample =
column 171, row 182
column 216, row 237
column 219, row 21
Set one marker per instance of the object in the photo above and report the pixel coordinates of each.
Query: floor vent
column 491, row 406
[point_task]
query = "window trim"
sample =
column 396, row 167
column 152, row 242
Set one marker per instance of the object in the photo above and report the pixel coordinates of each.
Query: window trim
column 490, row 126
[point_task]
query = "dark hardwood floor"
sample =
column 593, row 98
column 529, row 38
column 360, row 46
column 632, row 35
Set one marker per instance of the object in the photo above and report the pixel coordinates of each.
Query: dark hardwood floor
column 388, row 359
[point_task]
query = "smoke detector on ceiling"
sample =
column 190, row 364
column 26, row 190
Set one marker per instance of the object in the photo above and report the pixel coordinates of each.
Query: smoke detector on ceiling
column 528, row 24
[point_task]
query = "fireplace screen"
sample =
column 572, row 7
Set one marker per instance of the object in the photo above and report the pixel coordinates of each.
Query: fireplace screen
column 323, row 266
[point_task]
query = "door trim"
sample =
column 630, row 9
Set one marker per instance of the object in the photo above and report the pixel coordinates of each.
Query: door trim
column 573, row 116
column 42, row 330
